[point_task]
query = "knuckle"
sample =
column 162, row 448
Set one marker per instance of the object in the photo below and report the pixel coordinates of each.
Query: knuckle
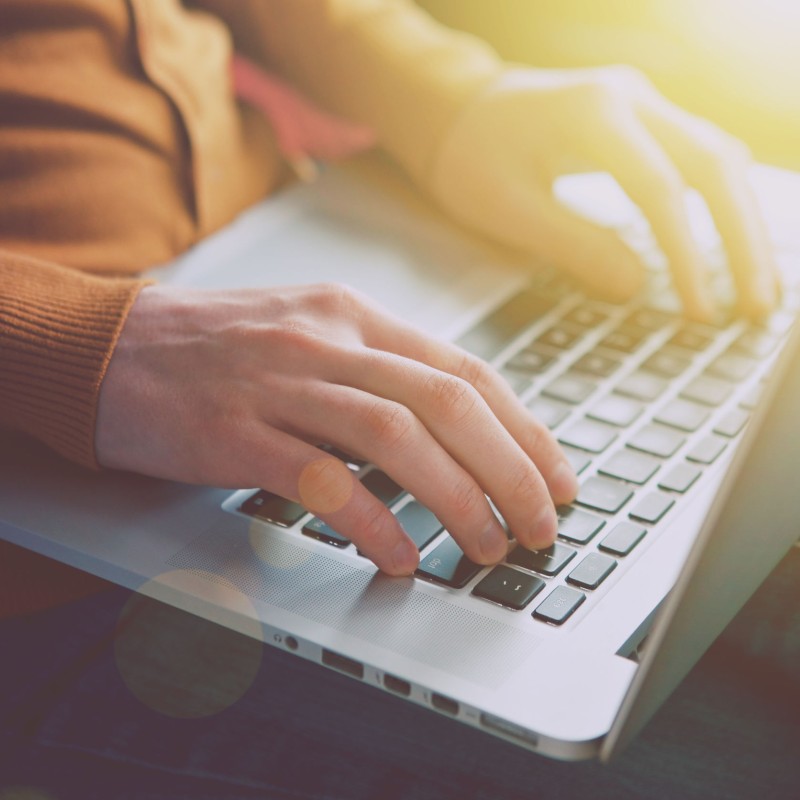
column 451, row 399
column 525, row 485
column 465, row 499
column 391, row 425
column 476, row 372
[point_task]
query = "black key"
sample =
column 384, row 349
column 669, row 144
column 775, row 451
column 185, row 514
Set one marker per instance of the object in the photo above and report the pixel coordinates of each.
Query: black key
column 271, row 508
column 603, row 494
column 419, row 523
column 575, row 525
column 707, row 450
column 732, row 423
column 693, row 338
column 570, row 388
column 382, row 486
column 447, row 564
column 560, row 337
column 683, row 415
column 549, row 412
column 755, row 343
column 492, row 334
column 585, row 434
column 578, row 460
column 597, row 364
column 657, row 440
column 625, row 338
column 707, row 390
column 667, row 363
column 732, row 367
column 586, row 317
column 628, row 465
column 560, row 605
column 509, row 587
column 650, row 319
column 530, row 361
column 319, row 530
column 616, row 410
column 641, row 386
column 680, row 478
column 623, row 538
column 549, row 562
column 592, row 571
column 652, row 507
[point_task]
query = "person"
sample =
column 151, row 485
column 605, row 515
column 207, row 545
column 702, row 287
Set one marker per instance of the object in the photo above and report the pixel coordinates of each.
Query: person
column 123, row 143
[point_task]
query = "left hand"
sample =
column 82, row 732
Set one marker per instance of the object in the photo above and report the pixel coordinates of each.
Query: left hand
column 496, row 167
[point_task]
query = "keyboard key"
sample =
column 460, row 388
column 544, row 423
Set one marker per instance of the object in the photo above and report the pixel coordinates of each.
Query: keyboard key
column 751, row 399
column 531, row 361
column 597, row 364
column 560, row 605
column 694, row 338
column 578, row 460
column 652, row 507
column 509, row 587
column 755, row 343
column 732, row 367
column 683, row 415
column 419, row 523
column 271, row 508
column 560, row 336
column 623, row 538
column 592, row 571
column 518, row 381
column 586, row 316
column 626, row 338
column 502, row 326
column 680, row 478
column 585, row 434
column 549, row 412
column 667, row 363
column 603, row 494
column 650, row 319
column 731, row 423
column 707, row 390
column 577, row 526
column 707, row 450
column 616, row 410
column 641, row 386
column 322, row 532
column 657, row 440
column 549, row 562
column 570, row 388
column 777, row 323
column 628, row 465
column 447, row 564
column 382, row 486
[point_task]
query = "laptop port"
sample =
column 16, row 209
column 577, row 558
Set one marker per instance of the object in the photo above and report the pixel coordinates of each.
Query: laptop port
column 442, row 703
column 343, row 664
column 510, row 729
column 396, row 685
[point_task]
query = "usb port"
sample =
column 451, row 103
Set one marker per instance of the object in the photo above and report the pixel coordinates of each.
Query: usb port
column 343, row 664
column 396, row 685
column 442, row 703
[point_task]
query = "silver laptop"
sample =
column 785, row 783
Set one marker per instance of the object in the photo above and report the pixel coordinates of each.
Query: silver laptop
column 685, row 437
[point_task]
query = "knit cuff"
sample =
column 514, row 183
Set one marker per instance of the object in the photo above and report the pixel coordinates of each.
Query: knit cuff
column 58, row 329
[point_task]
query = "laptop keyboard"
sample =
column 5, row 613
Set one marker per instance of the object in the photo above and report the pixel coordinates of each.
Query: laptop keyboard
column 643, row 402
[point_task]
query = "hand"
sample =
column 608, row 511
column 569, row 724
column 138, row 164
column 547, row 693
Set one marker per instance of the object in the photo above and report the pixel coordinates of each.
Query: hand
column 234, row 389
column 497, row 165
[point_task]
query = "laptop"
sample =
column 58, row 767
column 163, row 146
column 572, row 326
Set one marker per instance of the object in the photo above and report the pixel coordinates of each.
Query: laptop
column 683, row 435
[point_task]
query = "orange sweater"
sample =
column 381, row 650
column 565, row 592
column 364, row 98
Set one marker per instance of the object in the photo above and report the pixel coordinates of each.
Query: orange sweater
column 121, row 145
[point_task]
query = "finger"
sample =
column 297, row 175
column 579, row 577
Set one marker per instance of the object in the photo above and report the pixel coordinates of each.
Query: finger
column 461, row 421
column 640, row 165
column 281, row 463
column 716, row 165
column 392, row 437
column 532, row 436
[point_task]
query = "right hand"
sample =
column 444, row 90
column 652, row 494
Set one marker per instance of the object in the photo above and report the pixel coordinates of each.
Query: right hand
column 234, row 389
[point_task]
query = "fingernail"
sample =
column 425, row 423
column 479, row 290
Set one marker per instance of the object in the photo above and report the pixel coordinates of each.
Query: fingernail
column 545, row 529
column 493, row 542
column 564, row 483
column 405, row 558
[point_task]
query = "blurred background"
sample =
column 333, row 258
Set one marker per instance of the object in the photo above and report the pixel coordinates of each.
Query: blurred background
column 736, row 62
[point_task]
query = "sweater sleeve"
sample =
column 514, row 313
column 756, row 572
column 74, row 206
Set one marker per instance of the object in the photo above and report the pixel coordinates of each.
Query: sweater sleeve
column 58, row 329
column 384, row 63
